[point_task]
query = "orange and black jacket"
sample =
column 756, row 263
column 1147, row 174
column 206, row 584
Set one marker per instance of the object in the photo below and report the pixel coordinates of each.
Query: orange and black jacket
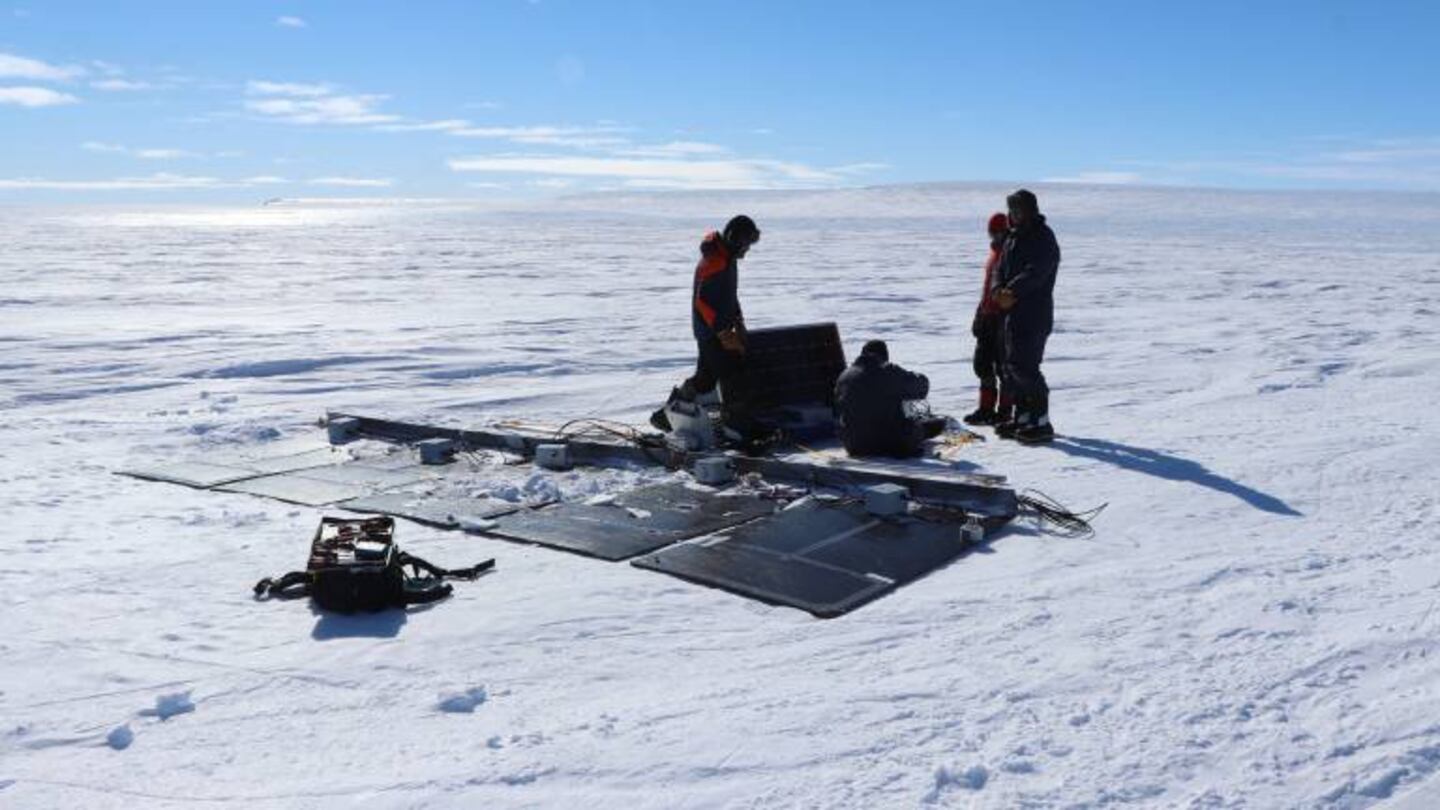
column 715, row 306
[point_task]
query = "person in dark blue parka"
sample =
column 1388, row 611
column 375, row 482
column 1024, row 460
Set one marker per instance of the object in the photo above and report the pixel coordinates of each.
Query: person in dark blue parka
column 870, row 399
column 1024, row 287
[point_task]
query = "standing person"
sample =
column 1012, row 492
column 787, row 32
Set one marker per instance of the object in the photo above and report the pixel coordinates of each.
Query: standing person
column 716, row 319
column 1024, row 291
column 988, row 328
column 870, row 399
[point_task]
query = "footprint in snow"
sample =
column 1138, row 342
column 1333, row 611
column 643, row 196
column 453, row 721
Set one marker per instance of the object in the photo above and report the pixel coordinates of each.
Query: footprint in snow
column 972, row 778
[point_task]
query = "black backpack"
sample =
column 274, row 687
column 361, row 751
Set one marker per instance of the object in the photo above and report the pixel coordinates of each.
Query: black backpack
column 355, row 565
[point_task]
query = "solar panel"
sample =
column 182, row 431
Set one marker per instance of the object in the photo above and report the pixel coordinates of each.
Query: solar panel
column 821, row 557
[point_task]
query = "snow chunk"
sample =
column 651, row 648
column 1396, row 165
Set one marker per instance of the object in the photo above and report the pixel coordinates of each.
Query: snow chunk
column 474, row 524
column 463, row 702
column 167, row 706
column 120, row 737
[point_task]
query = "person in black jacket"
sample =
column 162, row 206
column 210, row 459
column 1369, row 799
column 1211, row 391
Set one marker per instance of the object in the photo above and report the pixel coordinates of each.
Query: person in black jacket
column 1024, row 290
column 870, row 399
column 716, row 319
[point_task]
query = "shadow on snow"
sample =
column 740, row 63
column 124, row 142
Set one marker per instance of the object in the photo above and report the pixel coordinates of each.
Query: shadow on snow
column 1170, row 467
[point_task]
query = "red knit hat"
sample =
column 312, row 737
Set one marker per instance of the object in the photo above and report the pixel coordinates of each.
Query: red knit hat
column 999, row 223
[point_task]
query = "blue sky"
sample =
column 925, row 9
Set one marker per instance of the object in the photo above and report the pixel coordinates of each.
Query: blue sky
column 239, row 100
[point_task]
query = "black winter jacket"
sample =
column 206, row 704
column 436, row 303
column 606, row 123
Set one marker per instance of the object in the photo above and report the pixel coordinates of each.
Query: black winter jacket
column 868, row 399
column 1028, row 265
column 715, row 303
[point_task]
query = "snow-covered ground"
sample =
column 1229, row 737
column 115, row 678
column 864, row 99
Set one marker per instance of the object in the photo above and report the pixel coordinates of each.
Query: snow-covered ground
column 1248, row 379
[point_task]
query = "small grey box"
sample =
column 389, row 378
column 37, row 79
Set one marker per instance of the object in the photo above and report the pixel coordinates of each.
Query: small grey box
column 343, row 429
column 436, row 451
column 714, row 471
column 886, row 499
column 553, row 456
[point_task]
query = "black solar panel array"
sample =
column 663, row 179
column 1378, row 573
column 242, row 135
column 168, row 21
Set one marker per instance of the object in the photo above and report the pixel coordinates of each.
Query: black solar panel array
column 789, row 374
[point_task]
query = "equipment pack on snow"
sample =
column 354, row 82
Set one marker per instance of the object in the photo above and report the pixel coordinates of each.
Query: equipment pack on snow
column 355, row 565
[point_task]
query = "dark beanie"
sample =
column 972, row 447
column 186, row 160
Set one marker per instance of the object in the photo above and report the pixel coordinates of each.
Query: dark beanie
column 741, row 228
column 1024, row 200
column 877, row 348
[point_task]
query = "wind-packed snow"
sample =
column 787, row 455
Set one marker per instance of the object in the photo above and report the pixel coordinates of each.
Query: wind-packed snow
column 1249, row 379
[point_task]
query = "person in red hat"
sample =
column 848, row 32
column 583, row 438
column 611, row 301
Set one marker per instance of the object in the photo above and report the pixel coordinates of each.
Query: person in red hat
column 988, row 327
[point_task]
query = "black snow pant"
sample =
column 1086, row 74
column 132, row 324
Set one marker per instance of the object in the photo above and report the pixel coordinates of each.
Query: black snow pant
column 908, row 441
column 989, row 360
column 715, row 366
column 1024, row 351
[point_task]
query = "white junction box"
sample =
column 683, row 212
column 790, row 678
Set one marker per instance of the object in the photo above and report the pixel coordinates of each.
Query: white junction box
column 886, row 499
column 714, row 470
column 553, row 456
column 436, row 451
column 343, row 429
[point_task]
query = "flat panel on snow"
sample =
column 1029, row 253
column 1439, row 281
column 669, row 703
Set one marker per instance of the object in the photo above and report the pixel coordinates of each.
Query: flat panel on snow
column 589, row 530
column 374, row 478
column 309, row 459
column 297, row 488
column 448, row 513
column 825, row 558
column 229, row 469
column 196, row 474
column 637, row 522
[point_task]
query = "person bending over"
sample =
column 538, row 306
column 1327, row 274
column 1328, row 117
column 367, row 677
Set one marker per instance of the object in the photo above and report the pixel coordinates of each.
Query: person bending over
column 717, row 321
column 870, row 399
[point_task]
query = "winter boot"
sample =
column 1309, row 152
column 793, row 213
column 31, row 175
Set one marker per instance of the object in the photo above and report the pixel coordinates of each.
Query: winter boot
column 658, row 419
column 1007, row 430
column 1038, row 432
column 985, row 414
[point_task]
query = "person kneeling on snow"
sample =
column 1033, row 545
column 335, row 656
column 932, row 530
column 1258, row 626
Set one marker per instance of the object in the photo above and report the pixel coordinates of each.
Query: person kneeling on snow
column 870, row 399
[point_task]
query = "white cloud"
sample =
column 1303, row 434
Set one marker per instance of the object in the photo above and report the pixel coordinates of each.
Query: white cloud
column 447, row 125
column 353, row 182
column 19, row 67
column 163, row 154
column 675, row 149
column 656, row 173
column 35, row 97
column 152, row 153
column 152, row 182
column 289, row 22
column 160, row 181
column 1098, row 178
column 859, row 168
column 552, row 182
column 1346, row 162
column 299, row 103
column 119, row 85
column 323, row 109
column 263, row 88
column 597, row 137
